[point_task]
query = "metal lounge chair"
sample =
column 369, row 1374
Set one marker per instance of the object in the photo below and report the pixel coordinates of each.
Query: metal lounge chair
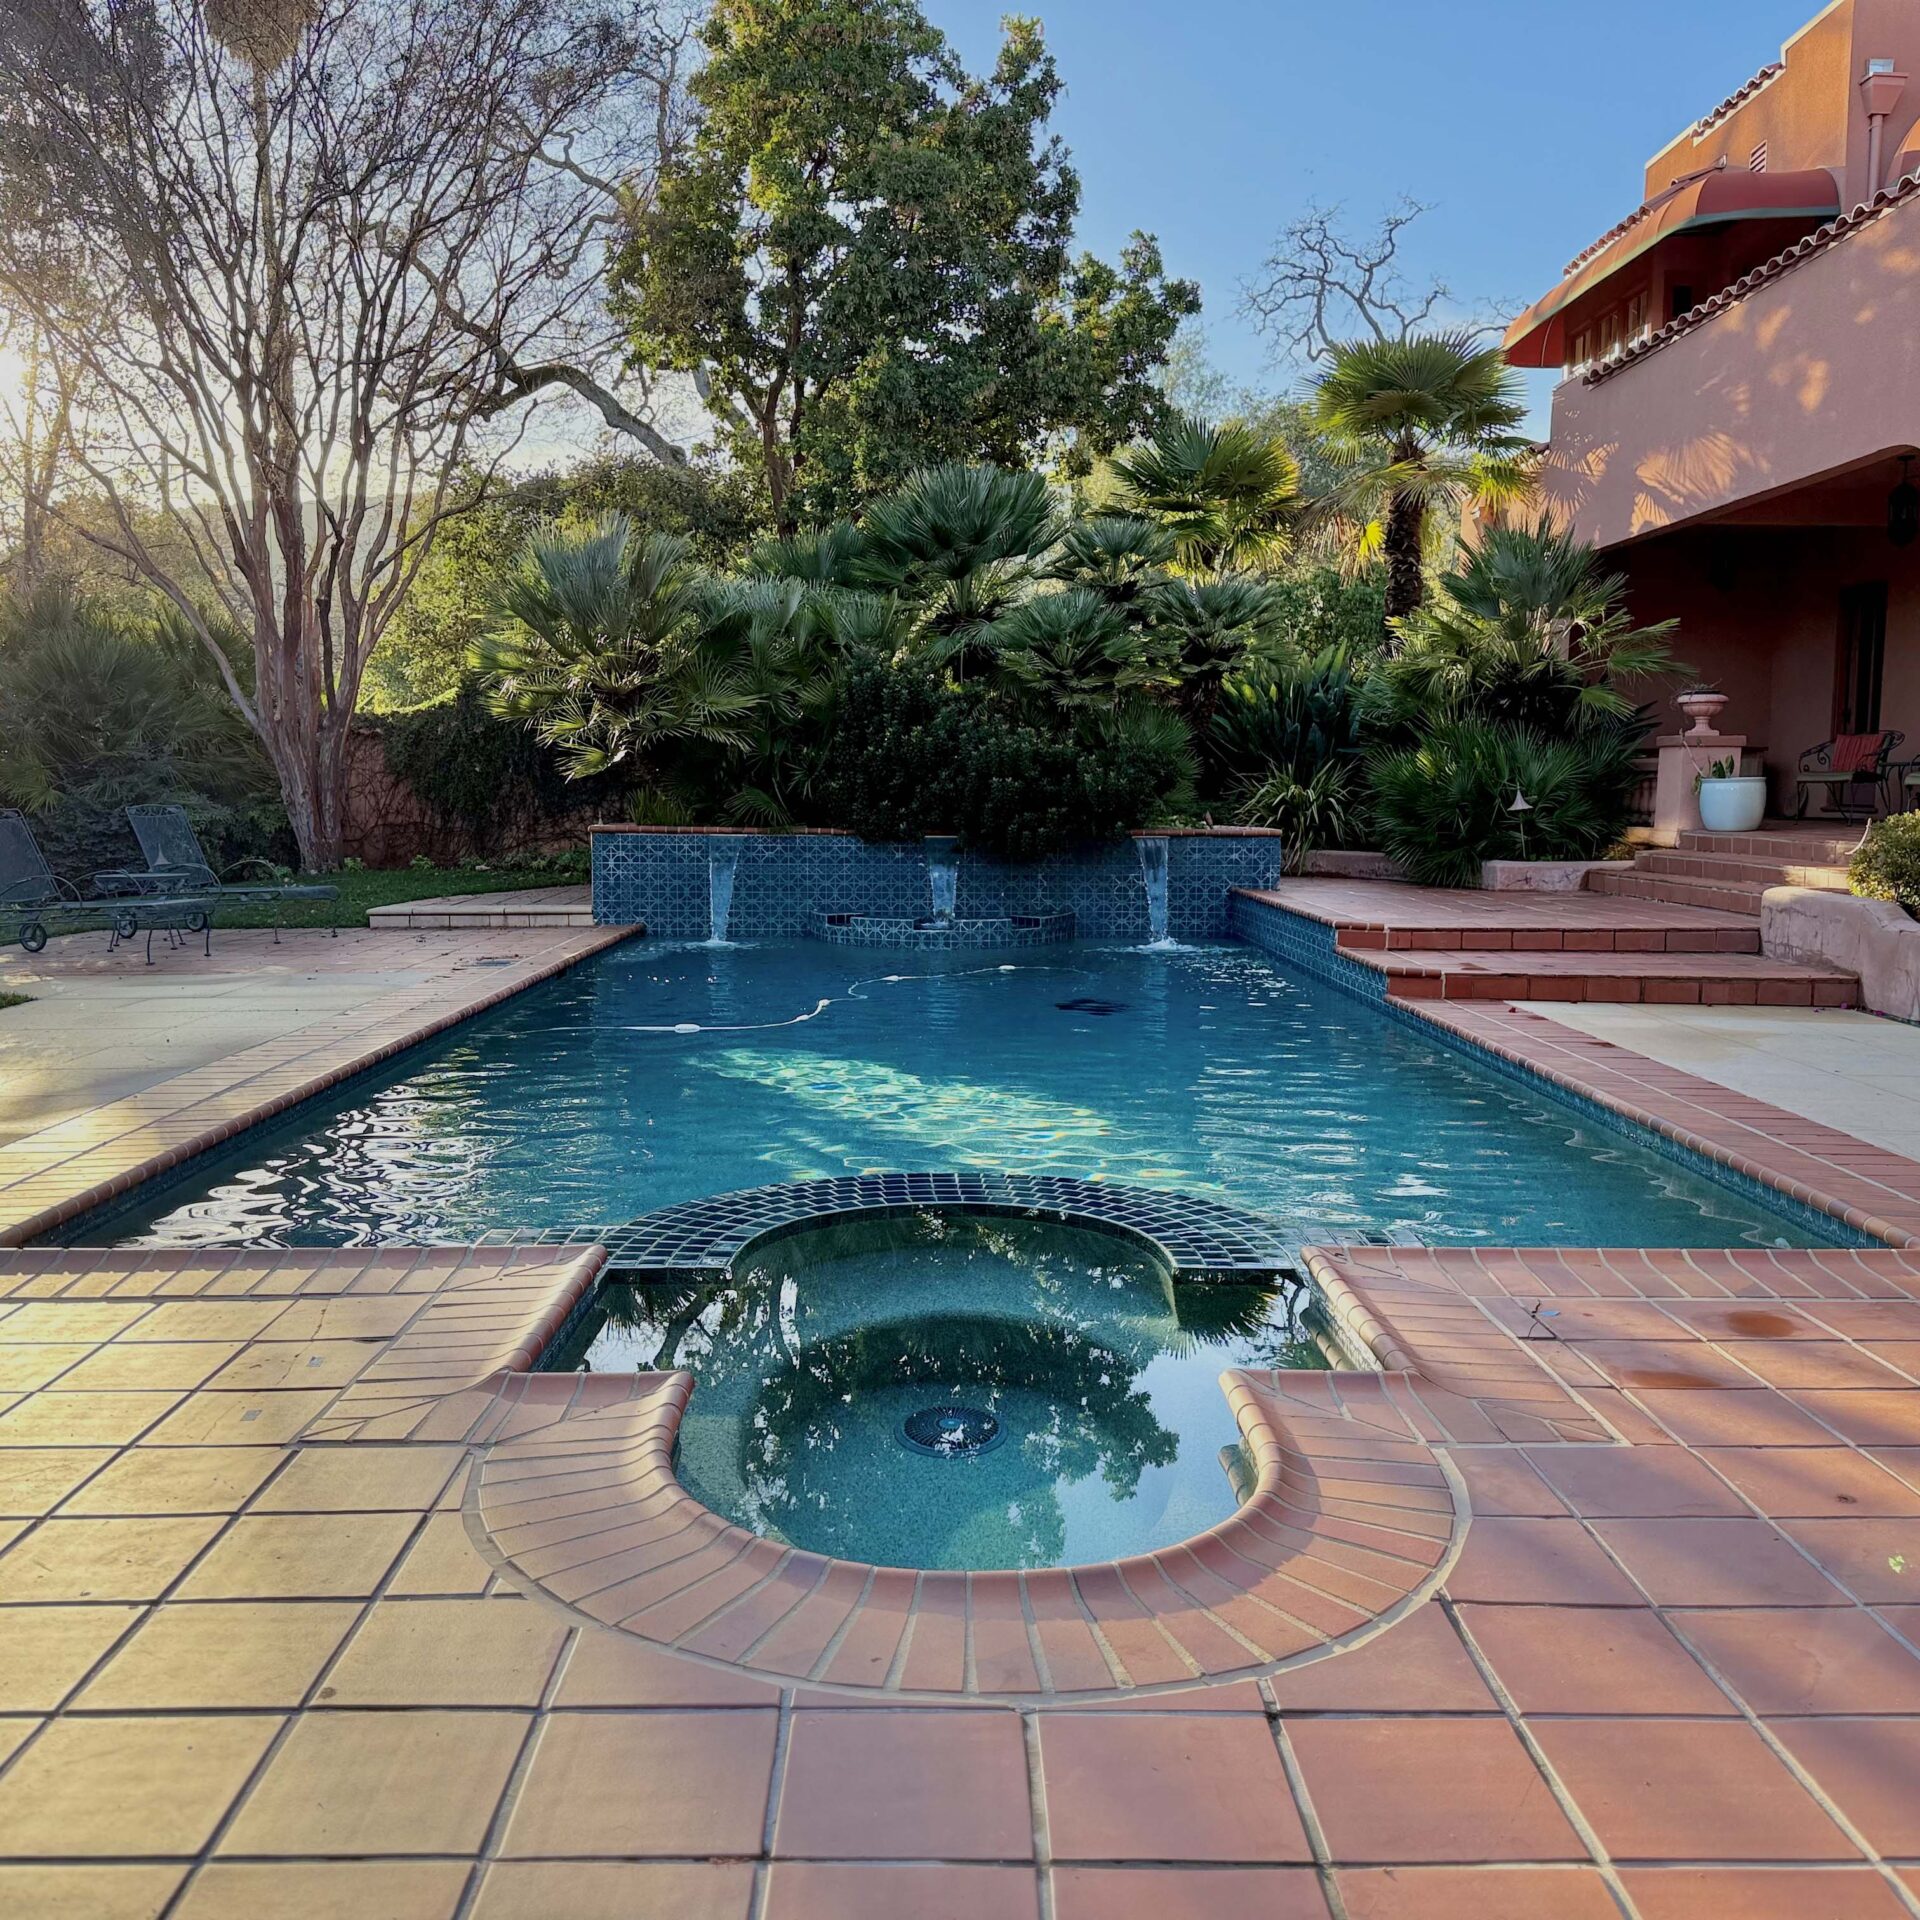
column 35, row 902
column 1852, row 764
column 177, row 863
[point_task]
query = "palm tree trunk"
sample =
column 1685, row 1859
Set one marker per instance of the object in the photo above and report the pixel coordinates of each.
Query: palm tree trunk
column 1405, row 531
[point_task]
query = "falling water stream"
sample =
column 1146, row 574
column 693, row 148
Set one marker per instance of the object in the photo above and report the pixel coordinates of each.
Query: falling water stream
column 722, row 863
column 943, row 877
column 1153, row 876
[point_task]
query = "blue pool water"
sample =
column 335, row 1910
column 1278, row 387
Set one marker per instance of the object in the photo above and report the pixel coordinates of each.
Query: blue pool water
column 657, row 1074
column 950, row 1391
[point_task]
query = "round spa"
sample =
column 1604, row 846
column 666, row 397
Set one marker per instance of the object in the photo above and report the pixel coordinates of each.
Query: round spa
column 953, row 1389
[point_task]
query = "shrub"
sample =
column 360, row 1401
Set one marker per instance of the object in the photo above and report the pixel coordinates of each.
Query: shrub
column 910, row 754
column 1286, row 745
column 1887, row 864
column 481, row 774
column 1445, row 806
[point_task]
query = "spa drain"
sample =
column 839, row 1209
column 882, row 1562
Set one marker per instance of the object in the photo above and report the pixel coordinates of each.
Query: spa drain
column 951, row 1433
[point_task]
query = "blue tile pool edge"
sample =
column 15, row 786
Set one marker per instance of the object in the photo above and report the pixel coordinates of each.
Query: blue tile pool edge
column 1312, row 945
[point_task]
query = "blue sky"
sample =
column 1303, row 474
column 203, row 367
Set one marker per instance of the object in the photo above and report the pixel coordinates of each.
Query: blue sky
column 1526, row 123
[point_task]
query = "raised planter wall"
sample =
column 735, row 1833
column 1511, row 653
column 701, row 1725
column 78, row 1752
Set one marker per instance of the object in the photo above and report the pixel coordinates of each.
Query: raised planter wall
column 1872, row 938
column 784, row 881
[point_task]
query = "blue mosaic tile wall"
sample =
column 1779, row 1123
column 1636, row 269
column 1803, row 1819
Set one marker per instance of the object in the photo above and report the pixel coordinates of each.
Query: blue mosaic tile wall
column 785, row 881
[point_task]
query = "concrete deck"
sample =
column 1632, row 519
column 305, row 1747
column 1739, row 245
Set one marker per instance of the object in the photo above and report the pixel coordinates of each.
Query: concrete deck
column 263, row 1649
column 117, row 1071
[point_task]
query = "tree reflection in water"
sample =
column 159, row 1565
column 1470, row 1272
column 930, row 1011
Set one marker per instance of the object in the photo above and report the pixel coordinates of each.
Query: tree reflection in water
column 1102, row 1372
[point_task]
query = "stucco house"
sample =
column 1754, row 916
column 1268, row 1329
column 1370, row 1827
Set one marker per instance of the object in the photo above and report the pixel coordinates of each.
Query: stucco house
column 1740, row 405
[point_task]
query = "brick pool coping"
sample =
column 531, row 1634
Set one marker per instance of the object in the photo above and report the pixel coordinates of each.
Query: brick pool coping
column 260, row 1655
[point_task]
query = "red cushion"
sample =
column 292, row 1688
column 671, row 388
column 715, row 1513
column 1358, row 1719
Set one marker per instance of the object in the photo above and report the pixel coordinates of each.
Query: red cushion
column 1855, row 752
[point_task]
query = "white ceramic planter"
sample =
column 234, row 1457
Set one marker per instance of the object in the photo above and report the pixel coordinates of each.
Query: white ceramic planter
column 1732, row 806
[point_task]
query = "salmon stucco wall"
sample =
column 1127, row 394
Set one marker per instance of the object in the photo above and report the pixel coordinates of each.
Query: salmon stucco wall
column 1812, row 373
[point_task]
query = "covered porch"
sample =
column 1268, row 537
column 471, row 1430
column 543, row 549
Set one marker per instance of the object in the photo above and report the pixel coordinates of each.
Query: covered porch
column 1803, row 607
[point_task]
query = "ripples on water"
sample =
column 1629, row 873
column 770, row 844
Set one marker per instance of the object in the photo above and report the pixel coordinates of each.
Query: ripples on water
column 656, row 1074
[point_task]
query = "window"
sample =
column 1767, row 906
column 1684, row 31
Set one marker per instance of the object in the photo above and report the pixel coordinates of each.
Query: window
column 1680, row 301
column 1637, row 312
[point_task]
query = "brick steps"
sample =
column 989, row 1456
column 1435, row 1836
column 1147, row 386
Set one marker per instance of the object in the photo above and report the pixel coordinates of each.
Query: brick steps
column 1531, row 937
column 1673, row 979
column 1728, row 872
column 1743, row 899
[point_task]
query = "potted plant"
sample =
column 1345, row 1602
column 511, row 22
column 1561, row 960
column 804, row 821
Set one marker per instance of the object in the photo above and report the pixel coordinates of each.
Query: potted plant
column 1730, row 802
column 1702, row 706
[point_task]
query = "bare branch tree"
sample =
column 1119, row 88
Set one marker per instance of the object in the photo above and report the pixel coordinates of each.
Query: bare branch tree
column 324, row 250
column 1324, row 284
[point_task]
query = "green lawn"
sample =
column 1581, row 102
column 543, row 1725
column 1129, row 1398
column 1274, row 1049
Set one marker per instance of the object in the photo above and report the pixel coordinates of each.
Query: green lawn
column 362, row 889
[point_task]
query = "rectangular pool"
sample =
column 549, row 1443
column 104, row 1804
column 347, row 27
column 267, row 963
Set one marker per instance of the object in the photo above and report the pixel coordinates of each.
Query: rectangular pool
column 656, row 1074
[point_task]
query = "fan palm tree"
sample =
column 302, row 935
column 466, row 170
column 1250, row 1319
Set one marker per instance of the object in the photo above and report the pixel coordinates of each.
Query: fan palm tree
column 1417, row 424
column 1229, row 495
column 599, row 649
column 1211, row 626
column 1121, row 557
column 961, row 545
column 1076, row 651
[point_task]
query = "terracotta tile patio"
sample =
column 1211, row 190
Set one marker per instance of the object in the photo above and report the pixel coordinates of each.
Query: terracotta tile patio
column 301, row 1667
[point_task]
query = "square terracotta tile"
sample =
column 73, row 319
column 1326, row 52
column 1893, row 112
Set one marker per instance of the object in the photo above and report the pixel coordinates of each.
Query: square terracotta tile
column 362, row 1479
column 1871, row 1771
column 1736, row 1893
column 604, row 1890
column 1592, row 1660
column 370, row 1783
column 1807, row 1659
column 1876, row 1560
column 212, row 1419
column 1499, row 1481
column 1436, row 1790
column 443, row 1561
column 1717, row 1563
column 248, row 1654
column 937, row 1784
column 1166, row 1786
column 616, row 1670
column 101, row 1559
column 1475, row 1893
column 174, row 1480
column 298, row 1556
column 1546, row 1562
column 34, row 1480
column 58, row 1419
column 706, row 1774
column 1612, row 1483
column 1755, row 1419
column 125, row 1366
column 1188, row 1893
column 1829, row 1364
column 1416, row 1666
column 1814, row 1482
column 1687, row 1790
column 804, row 1890
column 449, row 1653
column 1868, row 1419
column 88, row 1892
column 326, row 1890
column 151, row 1786
column 45, row 1652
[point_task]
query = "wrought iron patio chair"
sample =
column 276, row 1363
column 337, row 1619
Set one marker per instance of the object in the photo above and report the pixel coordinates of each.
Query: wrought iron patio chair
column 177, row 863
column 1850, row 764
column 35, row 902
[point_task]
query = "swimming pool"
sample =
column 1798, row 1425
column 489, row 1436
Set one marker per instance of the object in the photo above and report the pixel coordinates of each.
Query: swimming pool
column 656, row 1074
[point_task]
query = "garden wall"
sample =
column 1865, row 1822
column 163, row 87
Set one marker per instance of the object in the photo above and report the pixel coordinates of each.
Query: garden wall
column 386, row 823
column 659, row 877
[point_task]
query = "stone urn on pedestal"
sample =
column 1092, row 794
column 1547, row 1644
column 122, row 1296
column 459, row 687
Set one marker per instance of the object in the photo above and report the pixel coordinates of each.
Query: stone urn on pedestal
column 1701, row 705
